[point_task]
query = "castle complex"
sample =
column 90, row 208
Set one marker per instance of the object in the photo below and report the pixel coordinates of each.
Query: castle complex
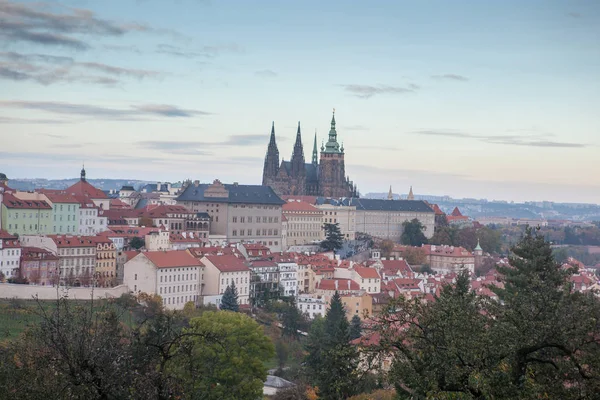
column 323, row 176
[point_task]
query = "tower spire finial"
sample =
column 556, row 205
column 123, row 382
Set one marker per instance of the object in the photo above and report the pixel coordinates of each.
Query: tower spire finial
column 390, row 194
column 410, row 196
column 315, row 153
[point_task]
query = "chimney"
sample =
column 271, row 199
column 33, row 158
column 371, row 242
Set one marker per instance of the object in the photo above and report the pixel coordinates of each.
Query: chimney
column 196, row 183
column 235, row 183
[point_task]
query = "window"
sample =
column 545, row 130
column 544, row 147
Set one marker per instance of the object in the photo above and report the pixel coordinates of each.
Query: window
column 234, row 219
column 242, row 220
column 264, row 220
column 249, row 232
column 249, row 219
column 234, row 233
column 275, row 232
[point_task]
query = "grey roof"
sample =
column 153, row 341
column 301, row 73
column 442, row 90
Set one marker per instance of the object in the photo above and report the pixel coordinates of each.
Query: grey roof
column 128, row 187
column 390, row 205
column 153, row 187
column 249, row 194
column 3, row 176
column 312, row 173
column 203, row 215
column 277, row 382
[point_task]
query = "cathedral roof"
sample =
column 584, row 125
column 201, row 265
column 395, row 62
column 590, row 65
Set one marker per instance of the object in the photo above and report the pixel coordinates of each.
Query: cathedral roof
column 311, row 170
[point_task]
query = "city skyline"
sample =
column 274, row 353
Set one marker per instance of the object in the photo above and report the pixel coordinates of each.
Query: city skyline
column 494, row 100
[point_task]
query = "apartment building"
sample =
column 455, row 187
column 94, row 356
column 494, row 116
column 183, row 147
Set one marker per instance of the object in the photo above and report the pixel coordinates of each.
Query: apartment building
column 222, row 271
column 304, row 223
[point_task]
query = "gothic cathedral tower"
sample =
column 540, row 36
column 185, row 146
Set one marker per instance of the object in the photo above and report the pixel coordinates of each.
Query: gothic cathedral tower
column 271, row 167
column 298, row 169
column 332, row 171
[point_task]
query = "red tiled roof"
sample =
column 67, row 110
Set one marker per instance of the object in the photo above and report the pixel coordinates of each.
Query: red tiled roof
column 456, row 212
column 130, row 254
column 367, row 273
column 5, row 235
column 200, row 252
column 292, row 206
column 118, row 204
column 189, row 238
column 337, row 284
column 437, row 209
column 10, row 201
column 228, row 263
column 58, row 196
column 307, row 199
column 391, row 267
column 35, row 254
column 84, row 188
column 172, row 259
column 73, row 241
column 162, row 211
column 129, row 231
column 262, row 263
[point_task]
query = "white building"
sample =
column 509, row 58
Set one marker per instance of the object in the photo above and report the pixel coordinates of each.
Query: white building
column 312, row 305
column 368, row 279
column 220, row 272
column 336, row 212
column 288, row 277
column 176, row 276
column 10, row 255
column 90, row 221
column 157, row 241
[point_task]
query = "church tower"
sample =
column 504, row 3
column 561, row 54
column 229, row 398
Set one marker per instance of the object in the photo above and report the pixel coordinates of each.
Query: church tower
column 332, row 171
column 82, row 177
column 297, row 167
column 271, row 167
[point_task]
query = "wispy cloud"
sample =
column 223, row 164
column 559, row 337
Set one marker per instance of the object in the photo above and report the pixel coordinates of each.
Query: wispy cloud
column 266, row 73
column 135, row 112
column 531, row 140
column 11, row 120
column 451, row 77
column 574, row 15
column 205, row 51
column 48, row 69
column 53, row 25
column 195, row 146
column 368, row 91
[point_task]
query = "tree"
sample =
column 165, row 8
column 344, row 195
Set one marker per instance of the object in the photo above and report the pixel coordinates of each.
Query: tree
column 282, row 350
column 146, row 221
column 2, row 277
column 490, row 239
column 231, row 367
column 290, row 319
column 386, row 246
column 229, row 300
column 415, row 255
column 426, row 269
column 412, row 233
column 355, row 327
column 137, row 243
column 334, row 240
column 332, row 362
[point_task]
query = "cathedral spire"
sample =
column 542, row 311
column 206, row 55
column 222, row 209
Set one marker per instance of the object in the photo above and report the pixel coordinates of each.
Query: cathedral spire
column 272, row 141
column 271, row 166
column 390, row 194
column 411, row 196
column 315, row 153
column 298, row 155
column 332, row 145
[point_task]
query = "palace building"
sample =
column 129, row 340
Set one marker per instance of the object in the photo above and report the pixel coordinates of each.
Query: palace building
column 323, row 176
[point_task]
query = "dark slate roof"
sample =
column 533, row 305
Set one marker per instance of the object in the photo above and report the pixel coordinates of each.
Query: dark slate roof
column 250, row 194
column 203, row 215
column 312, row 174
column 391, row 205
column 127, row 187
column 153, row 187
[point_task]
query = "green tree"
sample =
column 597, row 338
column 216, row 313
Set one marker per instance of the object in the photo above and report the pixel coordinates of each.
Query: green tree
column 355, row 327
column 137, row 243
column 334, row 240
column 490, row 240
column 229, row 300
column 332, row 362
column 290, row 319
column 412, row 233
column 231, row 367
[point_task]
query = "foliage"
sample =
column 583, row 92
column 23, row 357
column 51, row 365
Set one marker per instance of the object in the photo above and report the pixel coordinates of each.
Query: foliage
column 229, row 300
column 414, row 255
column 486, row 266
column 282, row 350
column 137, row 243
column 412, row 233
column 334, row 240
column 18, row 280
column 332, row 362
column 490, row 239
column 381, row 394
column 229, row 367
column 425, row 269
column 386, row 246
column 146, row 221
column 290, row 319
column 355, row 329
column 539, row 340
column 297, row 392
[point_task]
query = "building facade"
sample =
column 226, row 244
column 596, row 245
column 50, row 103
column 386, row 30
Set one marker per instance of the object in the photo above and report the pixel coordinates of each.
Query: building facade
column 222, row 271
column 238, row 213
column 336, row 212
column 304, row 223
column 10, row 255
column 323, row 176
column 105, row 273
column 25, row 217
column 39, row 266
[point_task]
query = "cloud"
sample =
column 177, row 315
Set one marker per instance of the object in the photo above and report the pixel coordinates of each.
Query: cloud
column 178, row 146
column 452, row 77
column 54, row 25
column 10, row 120
column 266, row 73
column 368, row 91
column 123, row 48
column 531, row 140
column 48, row 69
column 574, row 15
column 205, row 52
column 135, row 112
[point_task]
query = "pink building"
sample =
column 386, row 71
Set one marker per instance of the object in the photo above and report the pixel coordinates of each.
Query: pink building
column 39, row 266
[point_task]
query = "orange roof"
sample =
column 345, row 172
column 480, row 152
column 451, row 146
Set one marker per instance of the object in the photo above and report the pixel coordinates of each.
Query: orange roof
column 456, row 212
column 436, row 209
column 58, row 196
column 11, row 201
column 86, row 189
column 118, row 203
column 130, row 254
column 367, row 273
column 172, row 259
column 337, row 284
column 200, row 252
column 73, row 241
column 391, row 267
column 295, row 206
column 36, row 254
column 228, row 263
column 307, row 199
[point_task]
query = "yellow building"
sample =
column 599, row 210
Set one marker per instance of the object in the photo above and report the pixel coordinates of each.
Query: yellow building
column 106, row 262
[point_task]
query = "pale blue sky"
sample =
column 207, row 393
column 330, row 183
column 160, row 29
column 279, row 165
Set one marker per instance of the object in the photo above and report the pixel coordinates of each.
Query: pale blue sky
column 496, row 99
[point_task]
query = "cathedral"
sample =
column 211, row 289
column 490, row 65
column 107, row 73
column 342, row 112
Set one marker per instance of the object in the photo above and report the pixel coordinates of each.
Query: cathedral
column 323, row 176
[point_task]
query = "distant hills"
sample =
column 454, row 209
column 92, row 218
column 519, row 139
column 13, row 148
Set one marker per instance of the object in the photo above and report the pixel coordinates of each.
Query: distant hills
column 104, row 184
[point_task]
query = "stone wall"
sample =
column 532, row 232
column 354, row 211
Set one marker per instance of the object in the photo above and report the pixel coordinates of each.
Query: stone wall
column 9, row 291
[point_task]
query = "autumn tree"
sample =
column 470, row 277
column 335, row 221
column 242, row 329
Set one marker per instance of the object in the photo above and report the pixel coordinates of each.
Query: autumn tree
column 415, row 255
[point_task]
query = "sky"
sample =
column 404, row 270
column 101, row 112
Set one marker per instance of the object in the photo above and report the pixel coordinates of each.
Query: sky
column 484, row 99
